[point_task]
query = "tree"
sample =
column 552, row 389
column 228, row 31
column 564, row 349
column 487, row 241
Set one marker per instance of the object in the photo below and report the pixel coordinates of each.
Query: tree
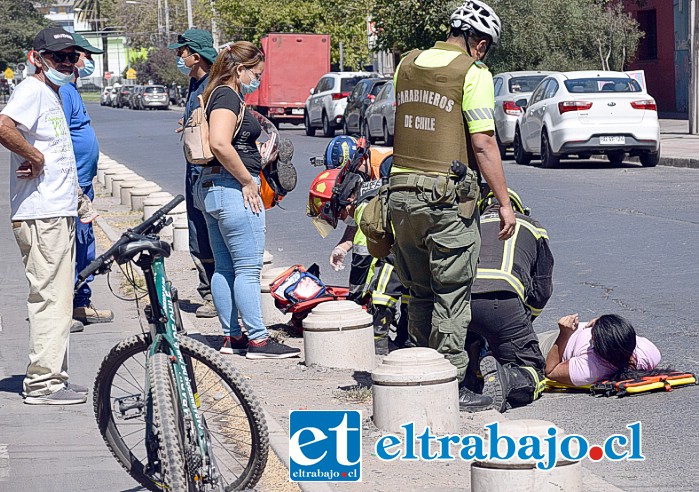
column 19, row 24
column 555, row 35
column 159, row 66
column 95, row 13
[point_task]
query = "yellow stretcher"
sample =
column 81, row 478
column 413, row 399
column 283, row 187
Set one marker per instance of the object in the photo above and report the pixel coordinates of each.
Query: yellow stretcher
column 629, row 387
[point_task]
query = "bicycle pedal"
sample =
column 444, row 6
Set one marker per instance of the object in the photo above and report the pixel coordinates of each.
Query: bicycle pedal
column 129, row 407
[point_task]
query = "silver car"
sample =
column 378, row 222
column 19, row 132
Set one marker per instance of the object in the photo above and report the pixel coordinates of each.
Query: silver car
column 381, row 115
column 511, row 87
column 326, row 104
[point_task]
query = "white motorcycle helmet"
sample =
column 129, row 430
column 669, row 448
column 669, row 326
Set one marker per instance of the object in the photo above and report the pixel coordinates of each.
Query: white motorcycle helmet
column 477, row 16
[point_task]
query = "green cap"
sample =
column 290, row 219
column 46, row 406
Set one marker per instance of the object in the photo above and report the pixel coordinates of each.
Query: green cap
column 199, row 41
column 84, row 45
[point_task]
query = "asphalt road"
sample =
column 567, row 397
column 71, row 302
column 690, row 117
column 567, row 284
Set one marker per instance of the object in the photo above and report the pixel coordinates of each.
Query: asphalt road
column 624, row 241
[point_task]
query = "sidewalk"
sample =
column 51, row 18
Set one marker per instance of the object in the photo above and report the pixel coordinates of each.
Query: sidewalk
column 677, row 147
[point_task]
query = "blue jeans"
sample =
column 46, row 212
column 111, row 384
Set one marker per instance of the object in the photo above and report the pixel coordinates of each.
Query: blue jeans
column 199, row 246
column 237, row 238
column 84, row 253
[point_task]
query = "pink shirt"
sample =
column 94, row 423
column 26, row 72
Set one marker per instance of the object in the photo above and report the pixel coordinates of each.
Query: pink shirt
column 586, row 367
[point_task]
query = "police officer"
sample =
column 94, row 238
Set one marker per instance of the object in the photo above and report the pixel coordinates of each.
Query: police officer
column 513, row 284
column 444, row 97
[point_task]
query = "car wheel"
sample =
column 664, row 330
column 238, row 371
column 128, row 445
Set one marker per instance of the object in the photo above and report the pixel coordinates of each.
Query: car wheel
column 650, row 159
column 521, row 156
column 365, row 127
column 501, row 147
column 328, row 131
column 548, row 159
column 616, row 157
column 387, row 137
column 310, row 131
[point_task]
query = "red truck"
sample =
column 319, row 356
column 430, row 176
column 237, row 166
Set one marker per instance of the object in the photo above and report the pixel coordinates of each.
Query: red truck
column 293, row 65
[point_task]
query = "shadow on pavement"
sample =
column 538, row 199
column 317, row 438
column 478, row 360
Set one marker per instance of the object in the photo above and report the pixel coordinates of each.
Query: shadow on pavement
column 12, row 384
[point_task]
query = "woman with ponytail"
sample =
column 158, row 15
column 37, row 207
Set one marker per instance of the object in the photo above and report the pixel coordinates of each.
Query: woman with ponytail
column 228, row 194
column 585, row 353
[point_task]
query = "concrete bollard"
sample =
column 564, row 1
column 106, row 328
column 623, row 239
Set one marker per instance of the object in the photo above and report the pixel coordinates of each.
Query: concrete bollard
column 267, row 259
column 416, row 385
column 179, row 211
column 155, row 202
column 101, row 168
column 126, row 187
column 140, row 193
column 523, row 475
column 339, row 334
column 180, row 235
column 270, row 314
column 120, row 176
column 112, row 170
column 118, row 180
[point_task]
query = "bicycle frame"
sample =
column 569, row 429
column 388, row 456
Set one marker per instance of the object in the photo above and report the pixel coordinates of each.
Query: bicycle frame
column 164, row 329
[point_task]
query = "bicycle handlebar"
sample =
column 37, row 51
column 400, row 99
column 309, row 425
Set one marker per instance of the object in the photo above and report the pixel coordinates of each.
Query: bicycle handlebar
column 151, row 225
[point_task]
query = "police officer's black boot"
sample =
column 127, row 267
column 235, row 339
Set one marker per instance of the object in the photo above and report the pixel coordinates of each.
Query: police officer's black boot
column 509, row 384
column 383, row 317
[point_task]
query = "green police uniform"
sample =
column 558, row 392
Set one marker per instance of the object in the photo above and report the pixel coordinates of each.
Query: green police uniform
column 441, row 95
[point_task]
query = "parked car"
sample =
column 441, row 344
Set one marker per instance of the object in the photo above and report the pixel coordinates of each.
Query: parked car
column 381, row 115
column 134, row 99
column 154, row 96
column 511, row 86
column 123, row 96
column 326, row 104
column 113, row 95
column 588, row 112
column 104, row 97
column 363, row 94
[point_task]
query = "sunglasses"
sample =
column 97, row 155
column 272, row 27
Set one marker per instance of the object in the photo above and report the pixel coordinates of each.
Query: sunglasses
column 60, row 57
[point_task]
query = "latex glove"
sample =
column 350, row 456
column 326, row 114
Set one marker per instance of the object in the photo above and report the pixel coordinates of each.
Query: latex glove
column 337, row 258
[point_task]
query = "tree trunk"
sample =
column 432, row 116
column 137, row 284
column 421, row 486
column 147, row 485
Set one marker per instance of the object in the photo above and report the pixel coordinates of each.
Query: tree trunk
column 105, row 55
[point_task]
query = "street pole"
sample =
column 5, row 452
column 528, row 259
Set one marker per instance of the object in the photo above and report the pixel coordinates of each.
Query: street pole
column 160, row 20
column 214, row 27
column 190, row 22
column 167, row 23
column 694, row 69
column 342, row 63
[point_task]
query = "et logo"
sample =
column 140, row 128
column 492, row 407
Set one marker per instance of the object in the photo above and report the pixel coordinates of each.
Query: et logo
column 325, row 445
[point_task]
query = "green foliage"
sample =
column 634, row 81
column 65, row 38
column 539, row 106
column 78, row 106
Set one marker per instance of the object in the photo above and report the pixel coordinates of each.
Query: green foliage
column 344, row 20
column 160, row 67
column 552, row 35
column 19, row 23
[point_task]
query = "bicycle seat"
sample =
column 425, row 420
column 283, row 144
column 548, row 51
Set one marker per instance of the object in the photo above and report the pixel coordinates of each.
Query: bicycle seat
column 155, row 247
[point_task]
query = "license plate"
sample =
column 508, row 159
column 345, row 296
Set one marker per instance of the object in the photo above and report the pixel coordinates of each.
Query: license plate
column 613, row 140
column 297, row 111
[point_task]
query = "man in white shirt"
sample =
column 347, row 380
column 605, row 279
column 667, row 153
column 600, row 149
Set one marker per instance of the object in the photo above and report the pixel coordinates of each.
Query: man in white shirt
column 43, row 200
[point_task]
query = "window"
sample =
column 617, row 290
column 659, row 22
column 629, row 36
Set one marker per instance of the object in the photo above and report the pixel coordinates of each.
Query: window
column 551, row 89
column 321, row 85
column 376, row 88
column 498, row 86
column 602, row 84
column 538, row 93
column 348, row 83
column 524, row 84
column 648, row 45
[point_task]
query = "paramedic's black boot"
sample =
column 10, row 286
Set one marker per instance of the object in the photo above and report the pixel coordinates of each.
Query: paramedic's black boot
column 381, row 345
column 473, row 402
column 509, row 384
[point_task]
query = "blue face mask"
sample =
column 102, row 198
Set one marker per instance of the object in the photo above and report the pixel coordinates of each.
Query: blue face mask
column 251, row 87
column 182, row 67
column 88, row 69
column 58, row 78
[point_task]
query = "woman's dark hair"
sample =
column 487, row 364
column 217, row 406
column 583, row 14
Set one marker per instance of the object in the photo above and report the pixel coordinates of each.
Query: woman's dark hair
column 614, row 340
column 224, row 68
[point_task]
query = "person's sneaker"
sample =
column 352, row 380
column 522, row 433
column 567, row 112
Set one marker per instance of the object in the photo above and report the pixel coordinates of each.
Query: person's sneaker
column 494, row 379
column 90, row 315
column 286, row 172
column 270, row 349
column 76, row 326
column 234, row 345
column 206, row 310
column 63, row 396
column 473, row 402
column 77, row 388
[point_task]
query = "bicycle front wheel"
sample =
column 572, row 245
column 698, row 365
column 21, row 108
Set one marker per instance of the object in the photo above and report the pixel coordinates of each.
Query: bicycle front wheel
column 167, row 423
column 234, row 422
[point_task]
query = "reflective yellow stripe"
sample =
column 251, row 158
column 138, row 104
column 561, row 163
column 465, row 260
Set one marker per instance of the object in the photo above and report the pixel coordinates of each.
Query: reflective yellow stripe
column 405, row 298
column 384, row 277
column 535, row 312
column 508, row 254
column 538, row 232
column 540, row 384
column 493, row 274
column 383, row 300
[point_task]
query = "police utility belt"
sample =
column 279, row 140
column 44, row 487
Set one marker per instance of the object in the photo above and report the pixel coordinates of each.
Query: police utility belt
column 460, row 186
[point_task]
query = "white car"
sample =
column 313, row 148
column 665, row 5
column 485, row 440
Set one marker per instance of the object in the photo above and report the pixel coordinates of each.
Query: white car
column 326, row 104
column 585, row 113
column 104, row 97
column 510, row 87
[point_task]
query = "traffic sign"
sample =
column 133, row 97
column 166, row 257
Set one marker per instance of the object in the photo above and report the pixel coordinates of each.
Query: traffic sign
column 21, row 67
column 9, row 73
column 131, row 74
column 107, row 75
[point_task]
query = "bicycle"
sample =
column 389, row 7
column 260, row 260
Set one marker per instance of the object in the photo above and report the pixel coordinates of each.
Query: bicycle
column 172, row 411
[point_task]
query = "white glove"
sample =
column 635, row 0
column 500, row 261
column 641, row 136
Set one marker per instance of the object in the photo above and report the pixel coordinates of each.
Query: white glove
column 337, row 258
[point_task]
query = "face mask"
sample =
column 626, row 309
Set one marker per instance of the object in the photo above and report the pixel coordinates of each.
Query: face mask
column 249, row 88
column 88, row 69
column 182, row 67
column 58, row 78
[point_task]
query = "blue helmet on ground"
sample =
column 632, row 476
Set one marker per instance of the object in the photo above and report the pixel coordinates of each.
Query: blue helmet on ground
column 340, row 150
